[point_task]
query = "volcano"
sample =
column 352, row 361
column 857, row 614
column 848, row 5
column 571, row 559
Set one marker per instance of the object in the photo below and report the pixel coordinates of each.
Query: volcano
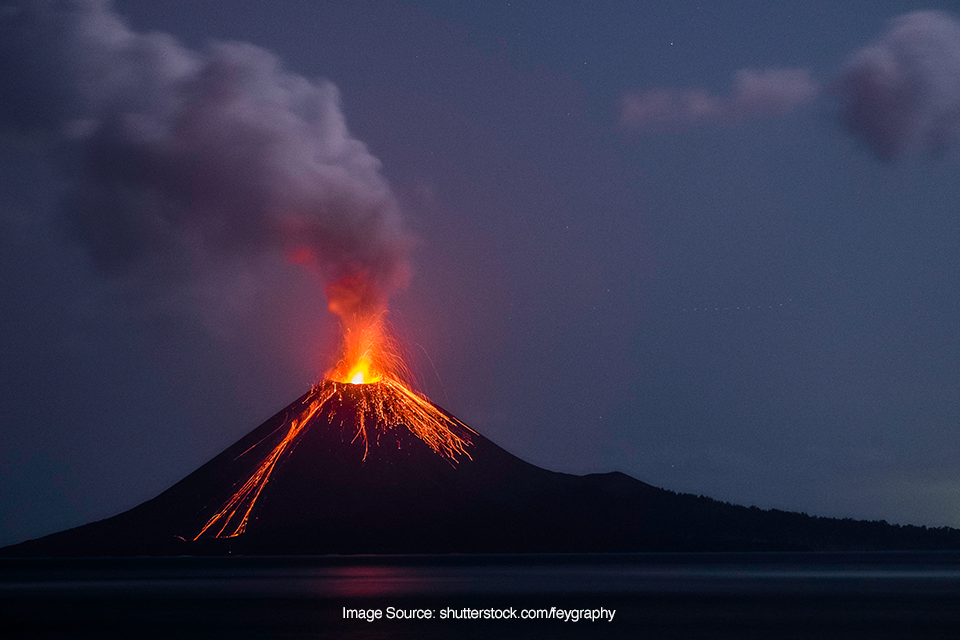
column 341, row 486
column 328, row 475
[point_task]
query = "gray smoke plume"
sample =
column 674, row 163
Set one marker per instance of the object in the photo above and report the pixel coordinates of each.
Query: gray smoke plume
column 756, row 94
column 902, row 94
column 176, row 155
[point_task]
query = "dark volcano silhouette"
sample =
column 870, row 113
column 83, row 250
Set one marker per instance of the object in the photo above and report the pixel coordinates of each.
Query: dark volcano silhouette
column 333, row 494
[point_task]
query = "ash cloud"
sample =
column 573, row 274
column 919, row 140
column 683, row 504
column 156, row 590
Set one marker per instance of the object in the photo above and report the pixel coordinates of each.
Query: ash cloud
column 756, row 94
column 901, row 94
column 177, row 158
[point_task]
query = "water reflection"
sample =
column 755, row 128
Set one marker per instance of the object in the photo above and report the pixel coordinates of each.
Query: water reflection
column 657, row 595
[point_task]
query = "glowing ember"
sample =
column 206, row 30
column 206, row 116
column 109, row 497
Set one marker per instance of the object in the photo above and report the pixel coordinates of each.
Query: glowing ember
column 365, row 388
column 367, row 351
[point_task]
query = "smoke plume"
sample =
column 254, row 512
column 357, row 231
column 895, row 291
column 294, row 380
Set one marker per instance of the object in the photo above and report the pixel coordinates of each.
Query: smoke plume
column 179, row 157
column 756, row 94
column 902, row 94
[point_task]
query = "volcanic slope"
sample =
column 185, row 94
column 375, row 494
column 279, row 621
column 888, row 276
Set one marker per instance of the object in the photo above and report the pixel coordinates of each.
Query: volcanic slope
column 331, row 492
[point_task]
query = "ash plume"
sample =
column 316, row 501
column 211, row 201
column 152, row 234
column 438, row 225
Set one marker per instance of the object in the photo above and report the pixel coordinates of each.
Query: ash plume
column 902, row 94
column 755, row 94
column 177, row 157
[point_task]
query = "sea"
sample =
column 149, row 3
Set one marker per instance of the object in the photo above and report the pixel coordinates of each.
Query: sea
column 644, row 595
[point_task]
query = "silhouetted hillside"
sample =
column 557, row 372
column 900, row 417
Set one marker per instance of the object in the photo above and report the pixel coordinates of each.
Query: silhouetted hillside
column 329, row 494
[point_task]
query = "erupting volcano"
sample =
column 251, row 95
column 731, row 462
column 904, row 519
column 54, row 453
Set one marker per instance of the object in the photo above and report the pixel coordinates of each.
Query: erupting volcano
column 363, row 463
column 365, row 396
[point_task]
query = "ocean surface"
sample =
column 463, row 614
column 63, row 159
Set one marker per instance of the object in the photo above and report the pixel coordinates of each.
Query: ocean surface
column 701, row 595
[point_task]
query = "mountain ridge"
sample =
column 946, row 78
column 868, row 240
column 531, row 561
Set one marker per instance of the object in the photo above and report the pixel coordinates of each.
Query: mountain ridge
column 332, row 493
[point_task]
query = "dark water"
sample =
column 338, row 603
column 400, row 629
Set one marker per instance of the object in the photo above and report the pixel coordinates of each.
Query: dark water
column 882, row 595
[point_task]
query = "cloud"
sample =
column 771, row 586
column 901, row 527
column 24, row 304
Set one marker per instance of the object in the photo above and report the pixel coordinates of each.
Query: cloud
column 902, row 94
column 756, row 94
column 899, row 95
column 176, row 158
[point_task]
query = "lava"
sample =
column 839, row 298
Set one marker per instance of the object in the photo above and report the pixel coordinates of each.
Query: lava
column 367, row 388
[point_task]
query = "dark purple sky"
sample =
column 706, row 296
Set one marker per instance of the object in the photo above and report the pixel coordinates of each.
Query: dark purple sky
column 759, row 305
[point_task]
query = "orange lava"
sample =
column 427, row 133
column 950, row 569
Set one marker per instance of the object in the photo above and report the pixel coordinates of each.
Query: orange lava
column 232, row 518
column 369, row 364
column 367, row 352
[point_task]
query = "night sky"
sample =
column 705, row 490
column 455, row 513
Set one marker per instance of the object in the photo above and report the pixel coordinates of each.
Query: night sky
column 708, row 244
